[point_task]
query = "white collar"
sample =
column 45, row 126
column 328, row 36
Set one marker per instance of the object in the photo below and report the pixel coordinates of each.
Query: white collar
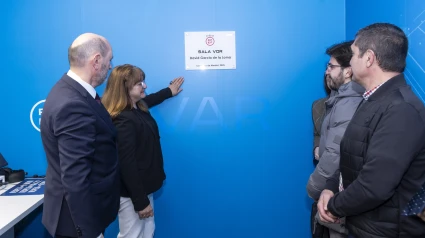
column 83, row 83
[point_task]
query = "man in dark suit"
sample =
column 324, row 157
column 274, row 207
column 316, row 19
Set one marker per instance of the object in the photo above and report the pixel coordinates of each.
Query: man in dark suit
column 81, row 196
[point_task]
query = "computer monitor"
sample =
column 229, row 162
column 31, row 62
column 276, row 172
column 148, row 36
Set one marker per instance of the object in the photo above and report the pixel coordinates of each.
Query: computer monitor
column 3, row 161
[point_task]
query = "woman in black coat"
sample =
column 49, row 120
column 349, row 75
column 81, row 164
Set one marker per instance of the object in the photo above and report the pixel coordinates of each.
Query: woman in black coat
column 139, row 148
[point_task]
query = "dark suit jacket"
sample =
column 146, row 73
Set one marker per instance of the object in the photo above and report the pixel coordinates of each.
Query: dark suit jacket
column 81, row 196
column 318, row 111
column 140, row 155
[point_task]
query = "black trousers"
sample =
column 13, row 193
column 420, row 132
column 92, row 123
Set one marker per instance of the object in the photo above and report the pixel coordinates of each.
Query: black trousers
column 58, row 236
column 321, row 231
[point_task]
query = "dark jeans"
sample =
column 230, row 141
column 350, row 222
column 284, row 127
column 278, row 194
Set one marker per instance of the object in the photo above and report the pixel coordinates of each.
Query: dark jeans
column 320, row 231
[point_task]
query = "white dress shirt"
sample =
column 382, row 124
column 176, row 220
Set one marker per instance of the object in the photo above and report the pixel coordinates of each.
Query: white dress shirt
column 83, row 83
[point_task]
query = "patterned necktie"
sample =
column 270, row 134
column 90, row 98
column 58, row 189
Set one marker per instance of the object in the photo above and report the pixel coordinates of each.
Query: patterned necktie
column 97, row 98
column 416, row 205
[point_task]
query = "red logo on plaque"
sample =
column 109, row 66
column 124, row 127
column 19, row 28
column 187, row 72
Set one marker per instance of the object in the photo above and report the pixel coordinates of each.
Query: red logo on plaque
column 210, row 41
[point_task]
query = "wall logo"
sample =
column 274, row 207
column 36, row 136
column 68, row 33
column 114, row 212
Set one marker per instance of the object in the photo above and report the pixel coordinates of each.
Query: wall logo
column 35, row 114
column 210, row 40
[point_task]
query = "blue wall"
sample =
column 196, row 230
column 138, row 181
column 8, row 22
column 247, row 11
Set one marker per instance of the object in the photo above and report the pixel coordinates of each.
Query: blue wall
column 408, row 15
column 237, row 143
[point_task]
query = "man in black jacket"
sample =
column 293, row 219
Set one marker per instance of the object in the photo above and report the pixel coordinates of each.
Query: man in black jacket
column 383, row 150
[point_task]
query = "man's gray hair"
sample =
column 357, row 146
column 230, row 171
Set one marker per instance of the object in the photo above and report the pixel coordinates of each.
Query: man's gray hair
column 78, row 55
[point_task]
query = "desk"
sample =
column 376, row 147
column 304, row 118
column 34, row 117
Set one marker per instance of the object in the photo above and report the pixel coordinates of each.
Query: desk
column 14, row 208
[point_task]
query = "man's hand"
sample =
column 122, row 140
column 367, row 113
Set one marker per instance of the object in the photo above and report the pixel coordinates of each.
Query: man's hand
column 322, row 207
column 422, row 215
column 316, row 153
column 147, row 212
column 175, row 85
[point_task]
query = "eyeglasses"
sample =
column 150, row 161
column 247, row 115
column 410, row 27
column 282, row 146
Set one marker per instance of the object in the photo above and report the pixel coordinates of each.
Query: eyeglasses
column 332, row 66
column 141, row 83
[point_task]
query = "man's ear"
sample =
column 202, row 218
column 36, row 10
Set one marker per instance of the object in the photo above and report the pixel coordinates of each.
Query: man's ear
column 348, row 72
column 97, row 61
column 370, row 58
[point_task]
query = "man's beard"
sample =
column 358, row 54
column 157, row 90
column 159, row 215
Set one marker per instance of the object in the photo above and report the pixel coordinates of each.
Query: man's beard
column 335, row 83
column 101, row 77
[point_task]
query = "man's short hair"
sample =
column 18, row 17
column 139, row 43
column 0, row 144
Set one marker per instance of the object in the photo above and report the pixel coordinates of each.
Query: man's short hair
column 388, row 42
column 78, row 55
column 341, row 52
